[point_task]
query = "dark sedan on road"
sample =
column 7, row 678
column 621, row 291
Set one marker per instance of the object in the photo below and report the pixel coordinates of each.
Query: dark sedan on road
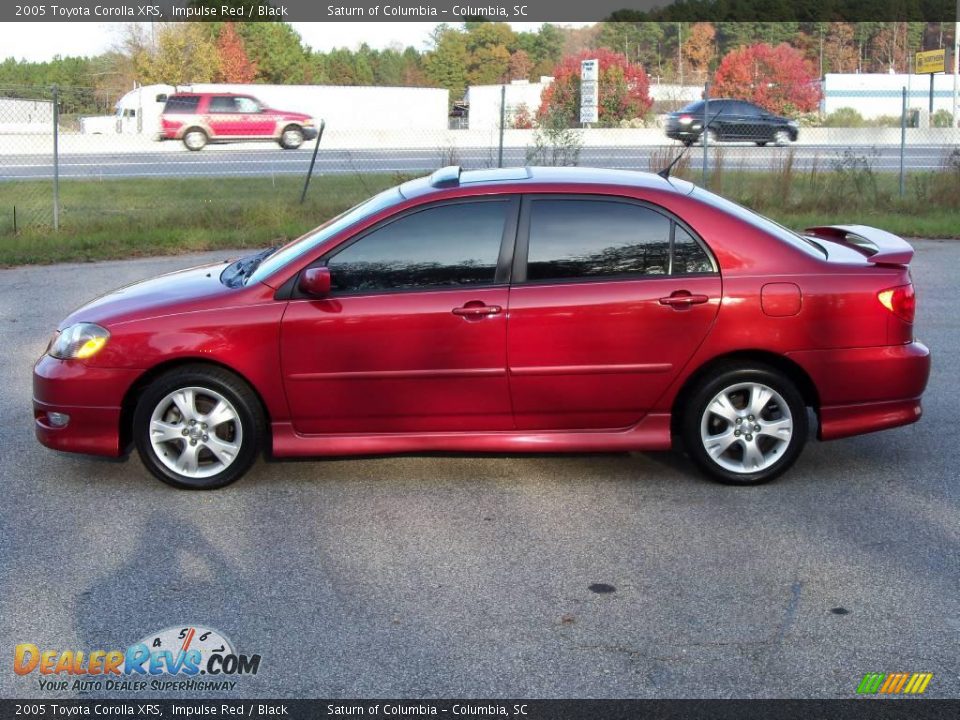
column 734, row 120
column 515, row 310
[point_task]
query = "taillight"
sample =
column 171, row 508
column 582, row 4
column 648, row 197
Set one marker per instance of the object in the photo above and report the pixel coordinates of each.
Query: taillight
column 900, row 300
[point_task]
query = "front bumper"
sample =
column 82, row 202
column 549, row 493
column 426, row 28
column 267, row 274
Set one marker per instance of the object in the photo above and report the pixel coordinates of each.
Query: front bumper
column 863, row 390
column 309, row 133
column 91, row 397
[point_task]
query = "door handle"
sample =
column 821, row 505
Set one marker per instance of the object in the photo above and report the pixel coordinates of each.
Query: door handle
column 478, row 310
column 683, row 299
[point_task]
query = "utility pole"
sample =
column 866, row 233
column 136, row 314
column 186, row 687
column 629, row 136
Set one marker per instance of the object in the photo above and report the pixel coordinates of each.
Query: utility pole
column 680, row 49
column 956, row 60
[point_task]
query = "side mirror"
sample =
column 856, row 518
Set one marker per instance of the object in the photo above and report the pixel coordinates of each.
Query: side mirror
column 315, row 282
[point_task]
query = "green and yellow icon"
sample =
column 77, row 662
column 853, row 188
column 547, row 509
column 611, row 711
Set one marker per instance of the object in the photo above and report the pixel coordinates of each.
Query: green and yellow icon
column 894, row 683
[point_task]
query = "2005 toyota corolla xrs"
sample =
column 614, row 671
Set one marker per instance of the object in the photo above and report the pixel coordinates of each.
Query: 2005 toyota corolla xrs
column 534, row 309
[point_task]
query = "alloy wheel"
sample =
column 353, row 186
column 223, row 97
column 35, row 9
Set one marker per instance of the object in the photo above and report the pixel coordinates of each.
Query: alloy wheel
column 746, row 427
column 195, row 432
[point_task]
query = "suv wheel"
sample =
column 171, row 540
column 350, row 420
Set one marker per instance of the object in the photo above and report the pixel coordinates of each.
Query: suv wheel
column 291, row 138
column 198, row 427
column 194, row 139
column 745, row 425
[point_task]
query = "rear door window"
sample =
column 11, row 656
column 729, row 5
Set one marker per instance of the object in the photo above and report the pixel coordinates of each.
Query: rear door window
column 223, row 105
column 584, row 239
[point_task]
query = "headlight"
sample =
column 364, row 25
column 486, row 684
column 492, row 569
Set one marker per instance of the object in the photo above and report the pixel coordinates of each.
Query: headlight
column 309, row 123
column 79, row 341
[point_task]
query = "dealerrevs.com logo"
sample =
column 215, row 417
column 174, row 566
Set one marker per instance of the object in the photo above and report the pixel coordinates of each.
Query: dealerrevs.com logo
column 188, row 658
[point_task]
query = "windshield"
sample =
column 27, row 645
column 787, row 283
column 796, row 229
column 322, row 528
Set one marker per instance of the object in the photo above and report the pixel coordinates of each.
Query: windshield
column 694, row 107
column 296, row 248
column 760, row 222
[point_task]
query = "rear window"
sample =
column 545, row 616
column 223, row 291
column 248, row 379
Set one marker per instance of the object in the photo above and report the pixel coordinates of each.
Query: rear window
column 760, row 222
column 180, row 104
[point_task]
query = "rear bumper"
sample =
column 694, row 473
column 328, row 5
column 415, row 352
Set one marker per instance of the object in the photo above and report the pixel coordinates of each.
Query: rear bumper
column 846, row 420
column 683, row 134
column 91, row 397
column 867, row 389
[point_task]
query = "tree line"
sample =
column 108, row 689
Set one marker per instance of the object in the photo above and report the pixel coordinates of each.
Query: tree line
column 457, row 56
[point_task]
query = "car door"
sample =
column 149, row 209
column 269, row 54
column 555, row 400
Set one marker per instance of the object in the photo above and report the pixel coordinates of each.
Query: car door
column 718, row 116
column 254, row 121
column 610, row 299
column 753, row 126
column 223, row 116
column 413, row 335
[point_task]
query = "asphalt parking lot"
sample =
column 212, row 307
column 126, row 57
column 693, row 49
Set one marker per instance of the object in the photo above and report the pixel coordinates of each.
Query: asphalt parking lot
column 469, row 577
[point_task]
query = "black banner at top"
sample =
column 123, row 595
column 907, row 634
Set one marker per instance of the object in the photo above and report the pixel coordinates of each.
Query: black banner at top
column 448, row 11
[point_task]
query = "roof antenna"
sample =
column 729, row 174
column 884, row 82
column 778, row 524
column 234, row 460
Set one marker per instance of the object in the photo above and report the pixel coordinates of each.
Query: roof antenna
column 665, row 173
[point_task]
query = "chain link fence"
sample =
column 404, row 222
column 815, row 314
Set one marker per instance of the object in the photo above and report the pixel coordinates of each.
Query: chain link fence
column 66, row 159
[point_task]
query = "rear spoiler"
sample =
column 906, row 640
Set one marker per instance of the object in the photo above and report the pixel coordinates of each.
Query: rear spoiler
column 880, row 247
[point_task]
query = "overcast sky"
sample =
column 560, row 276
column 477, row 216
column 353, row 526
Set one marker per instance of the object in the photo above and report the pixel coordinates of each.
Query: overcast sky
column 41, row 41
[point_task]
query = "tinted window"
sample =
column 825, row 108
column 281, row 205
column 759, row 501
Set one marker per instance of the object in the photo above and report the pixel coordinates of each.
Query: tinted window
column 745, row 108
column 589, row 238
column 222, row 105
column 688, row 255
column 182, row 104
column 444, row 246
column 693, row 108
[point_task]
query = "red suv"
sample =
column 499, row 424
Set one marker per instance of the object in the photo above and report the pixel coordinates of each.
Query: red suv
column 526, row 310
column 199, row 118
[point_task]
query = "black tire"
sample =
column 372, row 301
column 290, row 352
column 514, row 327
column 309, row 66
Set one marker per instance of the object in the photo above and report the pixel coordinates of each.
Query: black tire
column 762, row 143
column 782, row 137
column 245, row 430
column 687, row 143
column 195, row 139
column 779, row 453
column 291, row 137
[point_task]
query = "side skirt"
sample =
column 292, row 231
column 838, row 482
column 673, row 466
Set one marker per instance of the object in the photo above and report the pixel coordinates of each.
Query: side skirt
column 651, row 433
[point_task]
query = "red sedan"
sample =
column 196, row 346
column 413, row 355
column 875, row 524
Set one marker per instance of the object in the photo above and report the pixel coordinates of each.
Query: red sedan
column 520, row 310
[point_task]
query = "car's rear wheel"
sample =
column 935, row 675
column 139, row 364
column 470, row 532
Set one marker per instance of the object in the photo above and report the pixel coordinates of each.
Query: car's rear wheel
column 761, row 143
column 195, row 139
column 745, row 425
column 781, row 137
column 291, row 138
column 198, row 427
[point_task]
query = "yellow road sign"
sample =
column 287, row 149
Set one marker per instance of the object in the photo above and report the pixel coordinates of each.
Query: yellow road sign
column 932, row 61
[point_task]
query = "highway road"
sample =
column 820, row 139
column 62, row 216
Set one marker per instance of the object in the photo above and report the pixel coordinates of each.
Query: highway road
column 238, row 161
column 450, row 576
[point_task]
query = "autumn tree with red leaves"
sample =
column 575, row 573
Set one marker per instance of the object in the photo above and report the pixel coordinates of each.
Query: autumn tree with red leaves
column 623, row 92
column 778, row 79
column 235, row 65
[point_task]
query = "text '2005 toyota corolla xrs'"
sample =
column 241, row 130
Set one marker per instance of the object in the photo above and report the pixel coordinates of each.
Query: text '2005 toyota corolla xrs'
column 517, row 310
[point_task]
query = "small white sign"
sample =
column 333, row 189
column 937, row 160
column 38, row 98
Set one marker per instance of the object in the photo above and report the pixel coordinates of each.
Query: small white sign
column 589, row 90
column 589, row 70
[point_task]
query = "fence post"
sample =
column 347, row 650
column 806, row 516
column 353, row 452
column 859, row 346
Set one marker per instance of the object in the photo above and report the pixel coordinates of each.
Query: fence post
column 503, row 121
column 313, row 161
column 705, row 135
column 903, row 137
column 56, row 157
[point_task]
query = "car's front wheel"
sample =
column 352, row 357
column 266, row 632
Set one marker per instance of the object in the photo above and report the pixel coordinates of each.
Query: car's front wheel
column 781, row 137
column 291, row 138
column 745, row 425
column 198, row 427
